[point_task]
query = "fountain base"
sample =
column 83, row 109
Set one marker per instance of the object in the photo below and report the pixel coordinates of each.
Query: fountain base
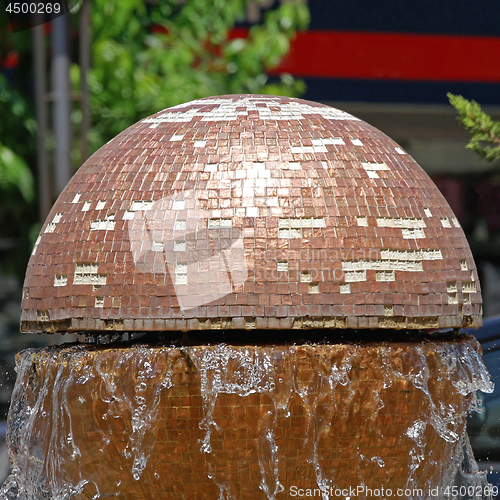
column 149, row 421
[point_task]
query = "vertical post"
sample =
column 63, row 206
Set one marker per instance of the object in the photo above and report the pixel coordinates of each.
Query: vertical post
column 84, row 67
column 62, row 104
column 44, row 181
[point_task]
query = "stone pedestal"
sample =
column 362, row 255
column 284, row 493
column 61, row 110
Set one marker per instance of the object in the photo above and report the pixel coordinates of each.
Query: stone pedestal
column 242, row 422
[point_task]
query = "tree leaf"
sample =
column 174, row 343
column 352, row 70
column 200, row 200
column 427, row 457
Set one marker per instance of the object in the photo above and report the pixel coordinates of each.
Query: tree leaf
column 14, row 172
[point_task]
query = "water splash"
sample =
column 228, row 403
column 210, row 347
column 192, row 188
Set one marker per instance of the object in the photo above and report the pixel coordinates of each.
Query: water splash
column 266, row 371
column 90, row 422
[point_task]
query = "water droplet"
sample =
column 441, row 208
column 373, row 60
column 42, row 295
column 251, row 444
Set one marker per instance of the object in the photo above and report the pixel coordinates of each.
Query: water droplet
column 379, row 461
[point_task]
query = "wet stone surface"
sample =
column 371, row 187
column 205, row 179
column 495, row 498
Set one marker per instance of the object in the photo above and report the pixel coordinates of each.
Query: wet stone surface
column 240, row 422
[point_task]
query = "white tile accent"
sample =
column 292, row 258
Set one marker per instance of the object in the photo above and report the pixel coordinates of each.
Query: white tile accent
column 157, row 246
column 375, row 166
column 42, row 315
column 76, row 198
column 181, row 267
column 319, row 145
column 294, row 165
column 451, row 286
column 128, row 215
column 381, row 265
column 308, row 149
column 389, row 310
column 61, row 280
column 313, row 287
column 200, row 144
column 219, row 223
column 356, row 142
column 385, row 276
column 452, row 298
column 445, row 222
column 469, row 287
column 86, row 206
column 86, row 268
column 99, row 302
column 282, row 266
column 51, row 227
column 181, row 277
column 179, row 205
column 362, row 221
column 328, row 140
column 176, row 137
column 89, row 279
column 455, row 221
column 100, row 205
column 210, row 167
column 463, row 265
column 400, row 151
column 411, row 255
column 35, row 246
column 292, row 227
column 180, row 225
column 413, row 234
column 252, row 211
column 179, row 246
column 427, row 212
column 306, row 276
column 354, row 276
column 401, row 222
column 141, row 205
column 258, row 170
column 372, row 174
column 107, row 224
column 302, row 222
column 226, row 111
column 345, row 288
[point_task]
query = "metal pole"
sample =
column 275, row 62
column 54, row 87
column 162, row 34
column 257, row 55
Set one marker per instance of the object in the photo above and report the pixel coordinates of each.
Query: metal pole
column 84, row 67
column 44, row 182
column 62, row 103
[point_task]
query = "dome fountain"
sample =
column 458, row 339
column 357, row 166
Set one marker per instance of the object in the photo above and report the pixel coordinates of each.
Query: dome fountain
column 269, row 293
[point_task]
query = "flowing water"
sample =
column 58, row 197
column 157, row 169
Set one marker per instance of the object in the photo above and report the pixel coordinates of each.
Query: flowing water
column 382, row 420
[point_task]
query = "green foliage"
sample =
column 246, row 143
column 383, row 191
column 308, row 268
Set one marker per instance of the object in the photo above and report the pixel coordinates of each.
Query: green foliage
column 17, row 130
column 485, row 131
column 14, row 172
column 17, row 152
column 137, row 71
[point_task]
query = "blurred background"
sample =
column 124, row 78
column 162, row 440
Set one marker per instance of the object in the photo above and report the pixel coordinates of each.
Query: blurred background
column 69, row 85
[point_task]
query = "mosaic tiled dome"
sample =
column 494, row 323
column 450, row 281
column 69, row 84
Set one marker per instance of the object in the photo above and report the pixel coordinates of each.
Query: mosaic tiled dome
column 246, row 211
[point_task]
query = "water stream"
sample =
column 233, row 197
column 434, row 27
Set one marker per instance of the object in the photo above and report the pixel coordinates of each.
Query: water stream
column 238, row 422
